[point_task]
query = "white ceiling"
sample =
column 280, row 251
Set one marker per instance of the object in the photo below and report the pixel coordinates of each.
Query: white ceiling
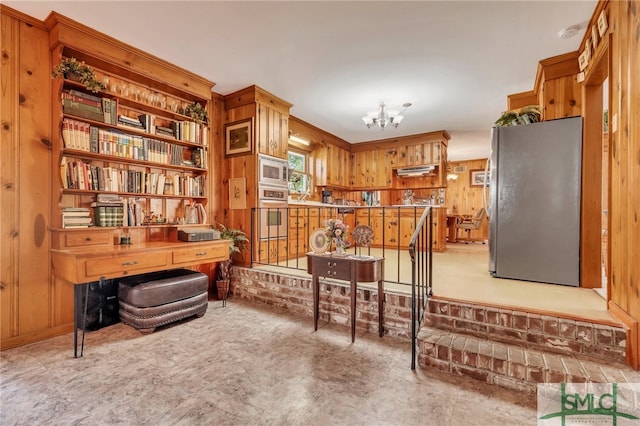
column 455, row 61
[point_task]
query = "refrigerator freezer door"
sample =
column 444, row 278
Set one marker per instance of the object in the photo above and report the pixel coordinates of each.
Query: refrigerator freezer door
column 492, row 203
column 536, row 202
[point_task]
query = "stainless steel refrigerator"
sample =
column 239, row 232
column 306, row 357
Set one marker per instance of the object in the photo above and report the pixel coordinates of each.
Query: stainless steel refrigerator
column 534, row 201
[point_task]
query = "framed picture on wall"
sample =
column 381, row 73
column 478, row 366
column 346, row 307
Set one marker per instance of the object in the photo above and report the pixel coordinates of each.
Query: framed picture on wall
column 239, row 137
column 478, row 177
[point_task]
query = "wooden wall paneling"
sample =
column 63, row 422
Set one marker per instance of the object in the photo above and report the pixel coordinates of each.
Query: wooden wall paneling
column 632, row 130
column 624, row 22
column 9, row 166
column 624, row 146
column 216, row 175
column 35, row 304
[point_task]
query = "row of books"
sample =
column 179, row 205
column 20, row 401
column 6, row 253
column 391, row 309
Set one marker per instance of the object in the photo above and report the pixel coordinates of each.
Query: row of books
column 81, row 104
column 187, row 131
column 78, row 174
column 84, row 105
column 109, row 213
column 76, row 217
column 82, row 136
column 118, row 212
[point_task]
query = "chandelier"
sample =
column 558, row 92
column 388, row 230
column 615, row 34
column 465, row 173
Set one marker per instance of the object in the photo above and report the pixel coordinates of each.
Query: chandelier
column 384, row 117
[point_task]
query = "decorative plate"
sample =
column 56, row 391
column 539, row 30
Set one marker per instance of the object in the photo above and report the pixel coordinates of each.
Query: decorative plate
column 363, row 235
column 319, row 242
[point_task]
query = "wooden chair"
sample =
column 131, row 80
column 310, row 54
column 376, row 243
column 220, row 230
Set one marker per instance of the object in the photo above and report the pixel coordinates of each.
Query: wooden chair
column 470, row 223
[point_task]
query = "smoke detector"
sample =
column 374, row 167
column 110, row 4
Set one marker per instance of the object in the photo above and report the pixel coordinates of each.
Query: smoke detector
column 569, row 32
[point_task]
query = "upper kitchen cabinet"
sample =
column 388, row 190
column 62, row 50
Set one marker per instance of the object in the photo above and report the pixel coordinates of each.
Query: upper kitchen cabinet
column 556, row 89
column 332, row 166
column 271, row 118
column 329, row 156
column 370, row 168
column 417, row 161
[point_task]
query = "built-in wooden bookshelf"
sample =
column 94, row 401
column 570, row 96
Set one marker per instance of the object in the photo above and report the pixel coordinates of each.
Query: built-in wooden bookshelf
column 133, row 143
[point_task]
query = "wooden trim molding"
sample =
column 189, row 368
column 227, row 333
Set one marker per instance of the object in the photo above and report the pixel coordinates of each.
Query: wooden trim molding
column 29, row 20
column 66, row 31
column 631, row 325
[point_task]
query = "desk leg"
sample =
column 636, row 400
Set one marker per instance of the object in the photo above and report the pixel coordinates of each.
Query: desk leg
column 79, row 315
column 316, row 301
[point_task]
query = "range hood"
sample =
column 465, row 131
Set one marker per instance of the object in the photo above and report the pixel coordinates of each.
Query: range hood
column 415, row 171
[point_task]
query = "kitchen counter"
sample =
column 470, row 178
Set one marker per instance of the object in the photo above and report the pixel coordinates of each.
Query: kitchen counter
column 435, row 206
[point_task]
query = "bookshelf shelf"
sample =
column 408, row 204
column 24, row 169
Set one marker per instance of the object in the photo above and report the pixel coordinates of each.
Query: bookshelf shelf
column 74, row 153
column 131, row 194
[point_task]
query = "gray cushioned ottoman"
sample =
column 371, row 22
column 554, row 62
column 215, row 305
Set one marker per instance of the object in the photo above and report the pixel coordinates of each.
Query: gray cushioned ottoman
column 150, row 300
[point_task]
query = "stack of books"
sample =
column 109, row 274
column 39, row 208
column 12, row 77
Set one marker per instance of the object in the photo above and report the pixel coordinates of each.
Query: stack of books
column 76, row 217
column 108, row 210
column 125, row 121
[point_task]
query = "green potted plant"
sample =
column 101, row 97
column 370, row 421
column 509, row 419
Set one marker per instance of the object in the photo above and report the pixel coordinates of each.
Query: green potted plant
column 73, row 69
column 197, row 112
column 238, row 242
column 525, row 115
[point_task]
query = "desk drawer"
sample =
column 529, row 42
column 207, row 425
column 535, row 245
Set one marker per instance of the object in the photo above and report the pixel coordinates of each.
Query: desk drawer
column 124, row 265
column 332, row 268
column 200, row 254
column 79, row 239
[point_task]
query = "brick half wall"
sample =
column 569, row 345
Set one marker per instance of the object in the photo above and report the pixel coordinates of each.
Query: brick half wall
column 294, row 293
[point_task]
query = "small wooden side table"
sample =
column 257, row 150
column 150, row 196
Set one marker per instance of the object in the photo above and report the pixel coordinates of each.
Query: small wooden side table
column 350, row 268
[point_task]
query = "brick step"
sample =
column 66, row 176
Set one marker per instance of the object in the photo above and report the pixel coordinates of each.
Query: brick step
column 510, row 365
column 545, row 333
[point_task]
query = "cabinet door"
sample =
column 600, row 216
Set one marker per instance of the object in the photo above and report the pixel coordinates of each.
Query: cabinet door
column 332, row 169
column 383, row 171
column 272, row 132
column 338, row 166
column 273, row 250
column 407, row 227
column 391, row 228
column 262, row 129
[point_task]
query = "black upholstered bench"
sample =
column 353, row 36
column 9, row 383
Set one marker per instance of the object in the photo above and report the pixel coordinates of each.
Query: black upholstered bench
column 150, row 300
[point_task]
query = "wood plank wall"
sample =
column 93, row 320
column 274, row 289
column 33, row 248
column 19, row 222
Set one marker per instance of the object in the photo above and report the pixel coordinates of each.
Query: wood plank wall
column 461, row 197
column 624, row 143
column 31, row 303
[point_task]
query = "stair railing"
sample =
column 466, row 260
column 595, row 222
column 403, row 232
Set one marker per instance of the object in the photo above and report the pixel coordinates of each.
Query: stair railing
column 421, row 252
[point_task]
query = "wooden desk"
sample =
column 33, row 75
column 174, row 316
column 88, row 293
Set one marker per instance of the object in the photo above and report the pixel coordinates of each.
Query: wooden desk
column 348, row 268
column 82, row 265
column 451, row 226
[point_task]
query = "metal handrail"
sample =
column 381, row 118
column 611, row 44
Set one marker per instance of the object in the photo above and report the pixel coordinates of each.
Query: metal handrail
column 421, row 274
column 283, row 259
column 420, row 251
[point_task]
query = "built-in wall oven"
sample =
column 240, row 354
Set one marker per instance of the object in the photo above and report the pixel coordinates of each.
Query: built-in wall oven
column 273, row 214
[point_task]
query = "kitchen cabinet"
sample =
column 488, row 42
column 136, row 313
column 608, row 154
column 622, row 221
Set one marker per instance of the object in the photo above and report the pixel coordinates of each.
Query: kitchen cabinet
column 370, row 169
column 298, row 231
column 273, row 250
column 272, row 131
column 332, row 166
column 395, row 226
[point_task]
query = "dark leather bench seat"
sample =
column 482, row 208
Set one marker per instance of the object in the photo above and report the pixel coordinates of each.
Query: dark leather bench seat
column 151, row 300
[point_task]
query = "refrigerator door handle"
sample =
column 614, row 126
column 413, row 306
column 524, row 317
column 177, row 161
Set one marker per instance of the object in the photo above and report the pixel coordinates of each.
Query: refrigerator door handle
column 485, row 186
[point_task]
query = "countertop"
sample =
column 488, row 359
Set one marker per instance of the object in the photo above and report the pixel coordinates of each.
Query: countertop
column 312, row 203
